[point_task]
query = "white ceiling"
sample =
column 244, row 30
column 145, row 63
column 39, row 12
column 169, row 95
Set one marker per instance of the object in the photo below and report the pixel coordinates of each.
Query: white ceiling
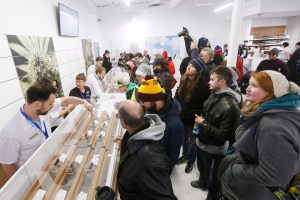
column 109, row 7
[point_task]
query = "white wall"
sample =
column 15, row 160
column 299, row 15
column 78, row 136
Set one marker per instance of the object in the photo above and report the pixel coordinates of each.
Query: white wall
column 271, row 21
column 293, row 29
column 200, row 21
column 39, row 18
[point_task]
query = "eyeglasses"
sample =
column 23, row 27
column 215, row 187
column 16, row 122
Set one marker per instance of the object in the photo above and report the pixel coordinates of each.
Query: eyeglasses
column 273, row 54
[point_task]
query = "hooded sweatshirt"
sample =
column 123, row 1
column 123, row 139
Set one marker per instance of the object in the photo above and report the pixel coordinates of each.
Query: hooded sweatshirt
column 144, row 166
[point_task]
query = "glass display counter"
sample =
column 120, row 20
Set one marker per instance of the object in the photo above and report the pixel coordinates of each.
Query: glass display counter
column 77, row 158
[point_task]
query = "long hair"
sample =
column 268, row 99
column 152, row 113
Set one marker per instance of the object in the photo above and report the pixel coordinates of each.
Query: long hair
column 188, row 86
column 264, row 81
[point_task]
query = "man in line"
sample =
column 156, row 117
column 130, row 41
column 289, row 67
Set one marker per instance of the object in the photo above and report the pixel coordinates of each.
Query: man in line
column 220, row 119
column 92, row 68
column 31, row 126
column 152, row 98
column 144, row 168
column 94, row 82
column 273, row 63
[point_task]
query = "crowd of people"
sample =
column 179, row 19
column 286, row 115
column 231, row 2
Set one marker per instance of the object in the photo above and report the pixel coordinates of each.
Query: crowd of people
column 245, row 146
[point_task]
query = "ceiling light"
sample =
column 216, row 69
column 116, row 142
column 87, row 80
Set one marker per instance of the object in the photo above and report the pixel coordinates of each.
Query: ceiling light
column 127, row 3
column 223, row 7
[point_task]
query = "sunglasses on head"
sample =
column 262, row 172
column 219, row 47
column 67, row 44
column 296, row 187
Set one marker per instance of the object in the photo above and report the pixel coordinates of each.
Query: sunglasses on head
column 273, row 54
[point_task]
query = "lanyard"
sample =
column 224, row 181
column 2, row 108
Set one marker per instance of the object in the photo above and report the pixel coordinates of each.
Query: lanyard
column 35, row 124
column 83, row 96
column 96, row 77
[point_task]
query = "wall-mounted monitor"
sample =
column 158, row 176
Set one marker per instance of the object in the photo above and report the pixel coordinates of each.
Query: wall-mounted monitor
column 68, row 21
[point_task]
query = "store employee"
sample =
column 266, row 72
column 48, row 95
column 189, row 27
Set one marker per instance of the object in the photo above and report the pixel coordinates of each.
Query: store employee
column 81, row 91
column 31, row 126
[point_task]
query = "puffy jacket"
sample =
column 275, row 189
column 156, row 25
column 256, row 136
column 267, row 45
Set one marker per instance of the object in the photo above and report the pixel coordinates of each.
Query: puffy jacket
column 144, row 168
column 221, row 114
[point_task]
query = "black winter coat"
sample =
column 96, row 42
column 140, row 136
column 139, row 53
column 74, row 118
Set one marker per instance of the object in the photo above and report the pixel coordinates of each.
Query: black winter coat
column 195, row 106
column 221, row 114
column 142, row 162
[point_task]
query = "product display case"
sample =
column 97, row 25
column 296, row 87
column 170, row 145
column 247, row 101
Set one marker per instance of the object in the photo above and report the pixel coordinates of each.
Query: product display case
column 79, row 156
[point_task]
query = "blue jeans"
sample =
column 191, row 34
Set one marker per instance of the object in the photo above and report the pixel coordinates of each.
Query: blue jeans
column 189, row 144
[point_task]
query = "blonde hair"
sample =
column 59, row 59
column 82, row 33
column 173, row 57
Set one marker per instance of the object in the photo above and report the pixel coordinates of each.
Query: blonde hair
column 264, row 81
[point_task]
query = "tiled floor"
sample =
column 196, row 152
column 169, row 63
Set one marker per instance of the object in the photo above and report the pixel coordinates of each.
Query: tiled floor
column 182, row 184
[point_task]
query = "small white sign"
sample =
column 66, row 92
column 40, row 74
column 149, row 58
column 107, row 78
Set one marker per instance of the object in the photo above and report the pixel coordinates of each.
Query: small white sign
column 61, row 195
column 96, row 122
column 62, row 157
column 95, row 159
column 78, row 158
column 39, row 195
column 81, row 196
column 89, row 133
column 102, row 133
column 105, row 123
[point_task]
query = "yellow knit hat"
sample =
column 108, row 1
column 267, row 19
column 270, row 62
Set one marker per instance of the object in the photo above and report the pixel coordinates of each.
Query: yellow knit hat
column 150, row 90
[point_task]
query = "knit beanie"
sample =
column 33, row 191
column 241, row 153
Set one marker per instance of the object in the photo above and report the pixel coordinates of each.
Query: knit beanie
column 106, row 51
column 235, row 76
column 203, row 42
column 165, row 54
column 150, row 90
column 218, row 50
column 143, row 70
column 275, row 50
column 122, row 81
column 199, row 64
column 281, row 85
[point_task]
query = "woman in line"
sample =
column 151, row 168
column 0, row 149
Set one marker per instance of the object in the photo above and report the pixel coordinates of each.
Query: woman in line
column 267, row 147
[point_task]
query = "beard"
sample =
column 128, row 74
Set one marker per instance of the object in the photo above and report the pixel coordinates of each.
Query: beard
column 39, row 112
column 152, row 108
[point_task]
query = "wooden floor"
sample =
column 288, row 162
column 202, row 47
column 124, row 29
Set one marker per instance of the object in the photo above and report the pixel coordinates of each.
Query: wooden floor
column 3, row 178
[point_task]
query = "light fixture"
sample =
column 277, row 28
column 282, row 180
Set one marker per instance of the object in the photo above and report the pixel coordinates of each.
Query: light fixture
column 223, row 7
column 127, row 3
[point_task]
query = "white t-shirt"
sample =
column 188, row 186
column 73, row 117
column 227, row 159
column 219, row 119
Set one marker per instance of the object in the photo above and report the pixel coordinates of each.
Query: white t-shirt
column 91, row 70
column 19, row 138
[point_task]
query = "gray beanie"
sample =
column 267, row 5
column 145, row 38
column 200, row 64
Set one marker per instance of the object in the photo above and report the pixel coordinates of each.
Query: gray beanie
column 143, row 70
column 281, row 85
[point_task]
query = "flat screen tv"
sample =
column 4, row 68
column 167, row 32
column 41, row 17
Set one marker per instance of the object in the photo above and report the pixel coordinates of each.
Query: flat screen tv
column 68, row 21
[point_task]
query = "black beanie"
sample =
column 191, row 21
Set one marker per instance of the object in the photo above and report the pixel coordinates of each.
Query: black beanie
column 198, row 64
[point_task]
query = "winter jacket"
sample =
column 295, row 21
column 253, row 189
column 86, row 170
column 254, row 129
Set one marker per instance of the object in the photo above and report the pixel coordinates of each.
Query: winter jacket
column 144, row 168
column 195, row 105
column 275, row 65
column 221, row 113
column 173, row 135
column 130, row 90
column 294, row 67
column 267, row 151
column 107, row 64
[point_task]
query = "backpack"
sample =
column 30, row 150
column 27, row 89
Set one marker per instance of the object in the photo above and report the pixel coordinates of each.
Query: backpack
column 292, row 193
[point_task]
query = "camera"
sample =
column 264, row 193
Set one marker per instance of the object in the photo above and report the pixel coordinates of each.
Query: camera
column 185, row 32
